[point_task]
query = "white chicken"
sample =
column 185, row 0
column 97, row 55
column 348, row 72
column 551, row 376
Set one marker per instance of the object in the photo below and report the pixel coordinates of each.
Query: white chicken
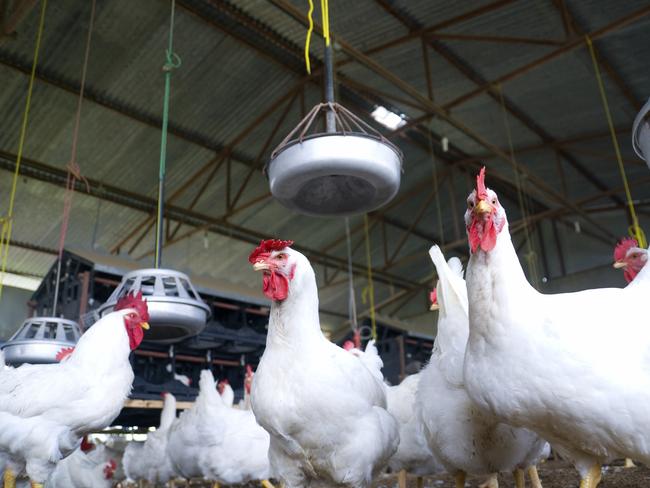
column 134, row 466
column 93, row 469
column 158, row 466
column 574, row 367
column 45, row 409
column 413, row 454
column 321, row 434
column 196, row 429
column 465, row 439
column 239, row 451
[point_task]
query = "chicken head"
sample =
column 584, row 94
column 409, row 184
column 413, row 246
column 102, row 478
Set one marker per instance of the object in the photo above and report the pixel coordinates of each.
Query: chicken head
column 629, row 257
column 273, row 258
column 484, row 217
column 136, row 315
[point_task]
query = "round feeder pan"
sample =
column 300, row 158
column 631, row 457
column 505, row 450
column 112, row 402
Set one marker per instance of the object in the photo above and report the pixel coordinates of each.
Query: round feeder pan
column 176, row 310
column 336, row 174
column 39, row 340
column 641, row 133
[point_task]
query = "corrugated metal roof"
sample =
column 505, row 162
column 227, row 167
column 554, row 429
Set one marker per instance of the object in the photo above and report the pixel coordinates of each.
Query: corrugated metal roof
column 239, row 57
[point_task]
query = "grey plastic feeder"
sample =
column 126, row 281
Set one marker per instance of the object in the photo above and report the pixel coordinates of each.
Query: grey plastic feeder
column 176, row 310
column 641, row 133
column 351, row 169
column 39, row 340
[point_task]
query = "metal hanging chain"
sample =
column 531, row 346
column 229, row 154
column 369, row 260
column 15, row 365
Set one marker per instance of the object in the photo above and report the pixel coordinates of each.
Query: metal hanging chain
column 7, row 221
column 352, row 304
column 172, row 61
column 371, row 285
column 74, row 172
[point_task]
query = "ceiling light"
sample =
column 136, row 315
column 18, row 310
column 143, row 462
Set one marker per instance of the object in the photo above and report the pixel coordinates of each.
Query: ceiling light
column 387, row 118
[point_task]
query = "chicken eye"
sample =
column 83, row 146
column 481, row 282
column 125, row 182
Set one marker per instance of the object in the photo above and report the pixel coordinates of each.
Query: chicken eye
column 494, row 201
column 282, row 256
column 470, row 204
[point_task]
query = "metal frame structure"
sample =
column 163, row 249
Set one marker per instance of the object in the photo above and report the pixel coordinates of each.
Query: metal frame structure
column 268, row 43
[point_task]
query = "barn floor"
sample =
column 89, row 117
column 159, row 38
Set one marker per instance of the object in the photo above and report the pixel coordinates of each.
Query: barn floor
column 554, row 474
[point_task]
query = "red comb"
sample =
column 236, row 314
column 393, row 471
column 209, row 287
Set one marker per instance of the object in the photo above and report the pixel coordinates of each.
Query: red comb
column 268, row 246
column 481, row 191
column 134, row 300
column 348, row 345
column 433, row 297
column 64, row 353
column 623, row 246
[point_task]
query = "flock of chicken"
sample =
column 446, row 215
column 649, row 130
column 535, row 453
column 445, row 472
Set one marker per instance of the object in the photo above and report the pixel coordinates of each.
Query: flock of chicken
column 510, row 370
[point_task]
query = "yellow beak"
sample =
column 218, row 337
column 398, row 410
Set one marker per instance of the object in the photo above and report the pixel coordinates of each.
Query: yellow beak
column 145, row 325
column 261, row 266
column 620, row 264
column 434, row 306
column 482, row 207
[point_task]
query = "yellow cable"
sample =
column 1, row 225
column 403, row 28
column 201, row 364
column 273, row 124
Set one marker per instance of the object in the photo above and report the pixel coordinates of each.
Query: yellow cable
column 5, row 236
column 325, row 12
column 371, row 287
column 635, row 229
column 309, row 31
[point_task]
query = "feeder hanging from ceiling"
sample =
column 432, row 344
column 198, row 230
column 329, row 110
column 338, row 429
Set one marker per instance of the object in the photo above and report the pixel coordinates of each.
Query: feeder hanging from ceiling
column 40, row 339
column 176, row 310
column 349, row 169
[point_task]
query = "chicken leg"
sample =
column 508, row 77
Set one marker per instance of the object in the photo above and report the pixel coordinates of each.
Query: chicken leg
column 629, row 463
column 593, row 477
column 401, row 479
column 534, row 477
column 460, row 479
column 520, row 479
column 35, row 484
column 9, row 479
column 267, row 484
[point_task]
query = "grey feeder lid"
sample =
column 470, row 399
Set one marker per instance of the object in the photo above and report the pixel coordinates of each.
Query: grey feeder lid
column 350, row 171
column 641, row 133
column 39, row 340
column 176, row 310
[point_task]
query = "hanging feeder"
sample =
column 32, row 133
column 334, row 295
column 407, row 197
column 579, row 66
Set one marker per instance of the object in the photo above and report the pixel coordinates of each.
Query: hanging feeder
column 176, row 310
column 39, row 340
column 641, row 133
column 350, row 169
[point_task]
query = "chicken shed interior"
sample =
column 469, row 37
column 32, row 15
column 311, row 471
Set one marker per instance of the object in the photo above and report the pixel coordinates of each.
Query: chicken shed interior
column 543, row 93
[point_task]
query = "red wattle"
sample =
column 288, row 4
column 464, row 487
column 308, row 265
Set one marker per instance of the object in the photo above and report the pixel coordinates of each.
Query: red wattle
column 136, row 335
column 275, row 286
column 482, row 233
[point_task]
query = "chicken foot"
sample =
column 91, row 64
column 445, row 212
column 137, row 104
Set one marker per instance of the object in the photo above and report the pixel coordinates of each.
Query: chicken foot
column 9, row 480
column 534, row 477
column 492, row 482
column 35, row 484
column 593, row 477
column 629, row 463
column 266, row 484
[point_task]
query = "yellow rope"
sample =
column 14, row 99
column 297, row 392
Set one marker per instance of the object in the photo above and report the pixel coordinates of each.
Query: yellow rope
column 324, row 7
column 5, row 235
column 309, row 31
column 371, row 287
column 325, row 12
column 635, row 229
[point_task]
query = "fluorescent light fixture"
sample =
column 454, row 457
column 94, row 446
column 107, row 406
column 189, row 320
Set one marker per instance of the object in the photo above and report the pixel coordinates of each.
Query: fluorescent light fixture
column 20, row 281
column 387, row 118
